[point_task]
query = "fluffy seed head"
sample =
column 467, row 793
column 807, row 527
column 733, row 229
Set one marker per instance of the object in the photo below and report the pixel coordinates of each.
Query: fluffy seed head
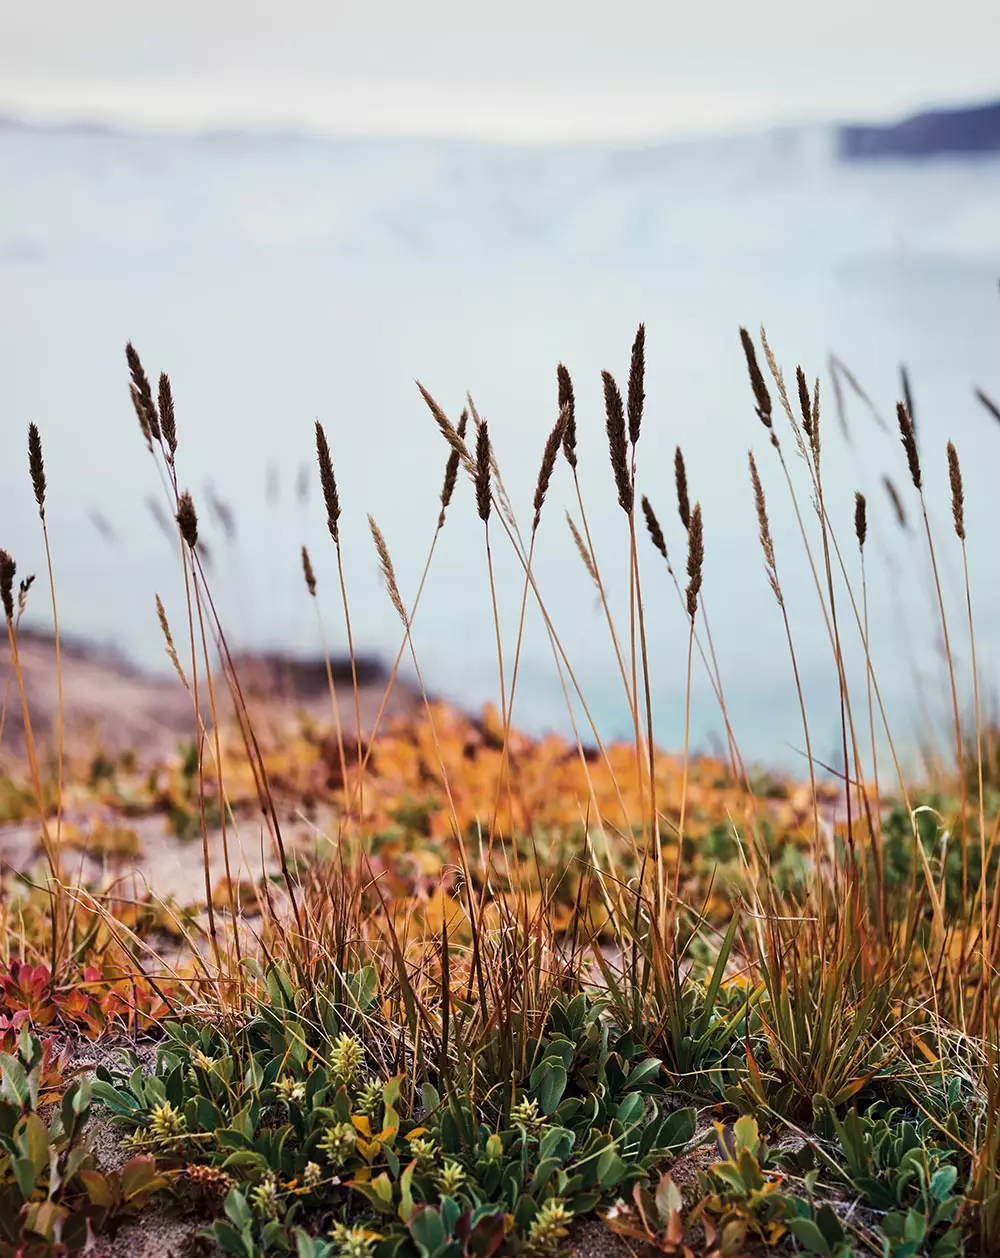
column 957, row 491
column 328, row 482
column 584, row 553
column 696, row 558
column 483, row 473
column 7, row 570
column 636, row 384
column 681, row 481
column 567, row 402
column 448, row 431
column 617, row 443
column 36, row 467
column 187, row 519
column 909, row 440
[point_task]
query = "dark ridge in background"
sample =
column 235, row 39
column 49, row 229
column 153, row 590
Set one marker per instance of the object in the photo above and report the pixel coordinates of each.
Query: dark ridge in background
column 970, row 130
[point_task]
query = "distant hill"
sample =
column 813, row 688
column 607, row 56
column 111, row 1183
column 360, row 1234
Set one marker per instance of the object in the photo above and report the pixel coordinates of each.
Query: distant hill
column 975, row 129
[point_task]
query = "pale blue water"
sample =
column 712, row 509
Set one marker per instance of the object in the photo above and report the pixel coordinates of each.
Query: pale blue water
column 280, row 280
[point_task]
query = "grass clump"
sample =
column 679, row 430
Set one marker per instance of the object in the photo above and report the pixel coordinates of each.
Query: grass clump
column 510, row 982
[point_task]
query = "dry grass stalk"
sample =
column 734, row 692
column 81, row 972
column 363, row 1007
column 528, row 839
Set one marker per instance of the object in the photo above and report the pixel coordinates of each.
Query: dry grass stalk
column 860, row 519
column 385, row 561
column 168, row 638
column 483, row 495
column 36, row 465
column 451, row 470
column 552, row 445
column 681, row 482
column 636, row 384
column 585, row 555
column 187, row 519
column 696, row 559
column 617, row 442
column 957, row 491
column 909, row 440
column 308, row 573
column 567, row 402
column 764, row 531
column 142, row 396
column 329, row 483
column 167, row 420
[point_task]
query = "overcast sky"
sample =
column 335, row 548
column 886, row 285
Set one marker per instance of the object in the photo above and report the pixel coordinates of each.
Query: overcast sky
column 532, row 70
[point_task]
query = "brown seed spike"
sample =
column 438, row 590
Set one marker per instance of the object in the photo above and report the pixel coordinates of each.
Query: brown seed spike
column 307, row 572
column 653, row 527
column 483, row 496
column 909, row 440
column 448, row 431
column 167, row 421
column 696, row 559
column 388, row 572
column 567, row 402
column 328, row 482
column 36, row 466
column 957, row 491
column 8, row 569
column 615, row 424
column 860, row 519
column 760, row 393
column 637, row 384
column 897, row 502
column 805, row 403
column 142, row 394
column 451, row 470
column 548, row 464
column 187, row 519
column 681, row 481
column 764, row 532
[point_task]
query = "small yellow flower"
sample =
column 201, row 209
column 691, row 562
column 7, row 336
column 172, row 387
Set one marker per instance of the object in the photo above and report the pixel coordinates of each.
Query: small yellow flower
column 338, row 1143
column 451, row 1179
column 289, row 1090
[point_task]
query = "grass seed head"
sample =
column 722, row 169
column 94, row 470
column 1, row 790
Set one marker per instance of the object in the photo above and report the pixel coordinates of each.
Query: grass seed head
column 567, row 402
column 909, row 440
column 897, row 502
column 329, row 483
column 388, row 572
column 617, row 442
column 483, row 496
column 167, row 421
column 762, row 397
column 552, row 445
column 696, row 559
column 681, row 481
column 36, row 466
column 187, row 519
column 637, row 384
column 860, row 519
column 451, row 469
column 653, row 527
column 307, row 572
column 142, row 396
column 8, row 568
column 957, row 491
column 764, row 532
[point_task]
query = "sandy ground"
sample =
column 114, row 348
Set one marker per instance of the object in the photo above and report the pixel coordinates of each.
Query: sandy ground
column 110, row 703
